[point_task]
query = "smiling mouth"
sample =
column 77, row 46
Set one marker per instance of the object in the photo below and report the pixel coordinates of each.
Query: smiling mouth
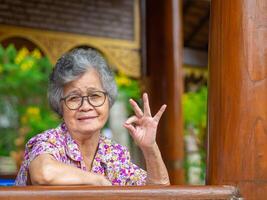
column 86, row 118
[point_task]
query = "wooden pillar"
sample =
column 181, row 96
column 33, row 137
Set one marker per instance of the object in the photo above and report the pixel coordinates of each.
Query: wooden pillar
column 164, row 78
column 237, row 120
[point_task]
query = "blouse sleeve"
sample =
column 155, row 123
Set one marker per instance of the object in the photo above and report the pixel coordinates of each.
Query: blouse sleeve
column 42, row 145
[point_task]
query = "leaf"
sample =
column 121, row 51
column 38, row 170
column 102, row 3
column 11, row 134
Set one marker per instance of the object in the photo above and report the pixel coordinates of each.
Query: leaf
column 11, row 53
column 2, row 53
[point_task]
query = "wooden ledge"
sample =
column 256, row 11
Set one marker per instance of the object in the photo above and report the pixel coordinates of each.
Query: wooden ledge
column 114, row 192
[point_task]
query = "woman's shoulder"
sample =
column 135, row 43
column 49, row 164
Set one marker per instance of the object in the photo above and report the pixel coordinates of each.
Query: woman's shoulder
column 54, row 135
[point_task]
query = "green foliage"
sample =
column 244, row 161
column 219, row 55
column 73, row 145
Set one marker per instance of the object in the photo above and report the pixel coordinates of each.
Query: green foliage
column 128, row 88
column 23, row 85
column 194, row 113
column 195, row 107
column 7, row 142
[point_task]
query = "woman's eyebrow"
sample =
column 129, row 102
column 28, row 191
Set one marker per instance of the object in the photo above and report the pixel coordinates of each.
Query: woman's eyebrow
column 93, row 89
column 76, row 91
column 80, row 92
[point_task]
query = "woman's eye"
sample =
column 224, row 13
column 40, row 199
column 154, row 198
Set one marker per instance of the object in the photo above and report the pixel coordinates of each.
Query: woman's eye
column 94, row 96
column 74, row 98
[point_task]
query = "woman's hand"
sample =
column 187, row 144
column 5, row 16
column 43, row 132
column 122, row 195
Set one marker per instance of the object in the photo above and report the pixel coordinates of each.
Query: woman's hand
column 101, row 180
column 142, row 126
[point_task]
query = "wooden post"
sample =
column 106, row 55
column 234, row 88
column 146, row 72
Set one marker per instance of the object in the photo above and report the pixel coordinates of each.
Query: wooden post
column 164, row 78
column 237, row 120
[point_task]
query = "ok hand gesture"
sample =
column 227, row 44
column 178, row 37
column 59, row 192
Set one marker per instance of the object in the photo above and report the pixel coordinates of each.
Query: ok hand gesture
column 143, row 126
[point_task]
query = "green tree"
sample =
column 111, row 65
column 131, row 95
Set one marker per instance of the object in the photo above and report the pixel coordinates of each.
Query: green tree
column 23, row 97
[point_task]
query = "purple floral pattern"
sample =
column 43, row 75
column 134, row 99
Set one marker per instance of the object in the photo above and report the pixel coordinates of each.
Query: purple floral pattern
column 111, row 160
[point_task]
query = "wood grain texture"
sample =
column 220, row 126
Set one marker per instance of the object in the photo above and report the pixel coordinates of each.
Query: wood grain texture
column 118, row 193
column 237, row 120
column 256, row 38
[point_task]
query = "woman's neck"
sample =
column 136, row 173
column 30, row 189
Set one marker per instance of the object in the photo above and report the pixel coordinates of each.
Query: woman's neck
column 87, row 142
column 88, row 145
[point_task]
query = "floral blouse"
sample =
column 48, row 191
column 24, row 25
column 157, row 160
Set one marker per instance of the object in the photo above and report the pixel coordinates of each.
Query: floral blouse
column 111, row 160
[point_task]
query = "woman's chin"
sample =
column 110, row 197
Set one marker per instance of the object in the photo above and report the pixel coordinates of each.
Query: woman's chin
column 88, row 127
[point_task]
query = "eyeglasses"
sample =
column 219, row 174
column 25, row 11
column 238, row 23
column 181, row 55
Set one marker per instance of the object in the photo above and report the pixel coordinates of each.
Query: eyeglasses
column 75, row 101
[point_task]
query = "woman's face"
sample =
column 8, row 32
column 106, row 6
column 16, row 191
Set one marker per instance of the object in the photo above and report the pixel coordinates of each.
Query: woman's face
column 87, row 119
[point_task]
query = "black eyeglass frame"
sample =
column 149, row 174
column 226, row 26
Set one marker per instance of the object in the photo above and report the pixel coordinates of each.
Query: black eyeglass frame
column 88, row 99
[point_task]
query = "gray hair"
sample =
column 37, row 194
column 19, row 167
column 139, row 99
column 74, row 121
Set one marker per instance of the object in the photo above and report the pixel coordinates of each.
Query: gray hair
column 70, row 67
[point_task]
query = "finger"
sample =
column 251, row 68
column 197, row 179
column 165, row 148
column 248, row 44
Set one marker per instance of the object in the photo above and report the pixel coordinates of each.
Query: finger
column 147, row 111
column 130, row 128
column 106, row 182
column 159, row 113
column 132, row 119
column 101, row 180
column 136, row 108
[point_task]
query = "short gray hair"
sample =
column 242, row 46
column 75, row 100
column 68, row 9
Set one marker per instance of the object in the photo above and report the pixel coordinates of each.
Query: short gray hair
column 70, row 67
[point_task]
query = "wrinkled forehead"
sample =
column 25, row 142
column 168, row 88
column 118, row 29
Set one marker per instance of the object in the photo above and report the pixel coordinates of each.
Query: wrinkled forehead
column 89, row 81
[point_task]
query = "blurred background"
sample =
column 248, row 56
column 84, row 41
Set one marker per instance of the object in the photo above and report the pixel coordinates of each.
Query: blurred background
column 33, row 34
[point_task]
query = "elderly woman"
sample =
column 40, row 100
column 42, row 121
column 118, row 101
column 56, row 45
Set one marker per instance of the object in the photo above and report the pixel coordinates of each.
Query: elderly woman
column 81, row 91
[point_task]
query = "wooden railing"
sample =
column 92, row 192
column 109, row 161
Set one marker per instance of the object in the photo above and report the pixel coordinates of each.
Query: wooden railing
column 121, row 193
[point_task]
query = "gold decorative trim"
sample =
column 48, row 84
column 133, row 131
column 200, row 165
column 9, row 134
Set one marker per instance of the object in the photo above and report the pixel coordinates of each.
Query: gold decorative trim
column 123, row 55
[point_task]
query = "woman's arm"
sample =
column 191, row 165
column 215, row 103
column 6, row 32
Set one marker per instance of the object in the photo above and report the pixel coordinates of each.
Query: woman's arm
column 156, row 169
column 143, row 128
column 45, row 170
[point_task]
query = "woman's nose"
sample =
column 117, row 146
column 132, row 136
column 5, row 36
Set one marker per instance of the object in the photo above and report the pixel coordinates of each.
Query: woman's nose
column 85, row 104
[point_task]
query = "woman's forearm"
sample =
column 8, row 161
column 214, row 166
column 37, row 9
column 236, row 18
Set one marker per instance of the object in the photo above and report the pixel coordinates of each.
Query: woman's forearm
column 46, row 171
column 156, row 169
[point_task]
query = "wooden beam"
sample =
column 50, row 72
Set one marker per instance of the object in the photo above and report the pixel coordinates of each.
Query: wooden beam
column 114, row 193
column 197, row 28
column 237, row 120
column 186, row 5
column 164, row 78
